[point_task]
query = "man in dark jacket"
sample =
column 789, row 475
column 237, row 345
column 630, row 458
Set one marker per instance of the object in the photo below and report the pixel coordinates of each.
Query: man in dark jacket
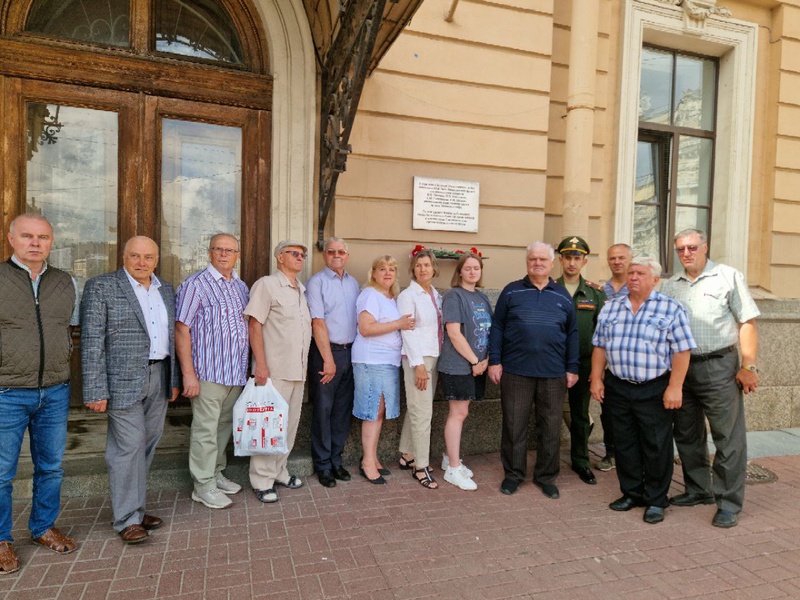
column 37, row 307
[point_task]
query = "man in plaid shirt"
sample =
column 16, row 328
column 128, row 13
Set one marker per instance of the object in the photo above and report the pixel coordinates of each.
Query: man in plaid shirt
column 641, row 355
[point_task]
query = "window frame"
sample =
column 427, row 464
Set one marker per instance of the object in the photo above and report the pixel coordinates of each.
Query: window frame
column 668, row 137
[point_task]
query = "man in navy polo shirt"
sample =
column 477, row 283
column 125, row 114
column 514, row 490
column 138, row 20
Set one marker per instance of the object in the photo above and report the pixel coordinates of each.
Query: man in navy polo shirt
column 533, row 355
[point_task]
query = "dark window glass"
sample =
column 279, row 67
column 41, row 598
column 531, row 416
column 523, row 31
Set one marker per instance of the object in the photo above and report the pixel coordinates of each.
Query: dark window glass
column 197, row 29
column 96, row 21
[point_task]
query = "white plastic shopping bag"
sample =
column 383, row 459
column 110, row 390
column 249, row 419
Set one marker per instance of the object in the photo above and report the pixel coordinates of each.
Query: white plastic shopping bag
column 260, row 420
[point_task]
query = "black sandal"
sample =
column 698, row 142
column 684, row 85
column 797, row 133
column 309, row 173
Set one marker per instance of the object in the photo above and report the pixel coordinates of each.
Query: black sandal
column 427, row 481
column 405, row 465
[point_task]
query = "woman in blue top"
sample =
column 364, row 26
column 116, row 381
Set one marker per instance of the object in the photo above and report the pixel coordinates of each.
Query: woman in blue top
column 376, row 360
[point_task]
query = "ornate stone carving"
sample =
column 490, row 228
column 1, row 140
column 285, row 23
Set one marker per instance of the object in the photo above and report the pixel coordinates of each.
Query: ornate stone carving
column 699, row 10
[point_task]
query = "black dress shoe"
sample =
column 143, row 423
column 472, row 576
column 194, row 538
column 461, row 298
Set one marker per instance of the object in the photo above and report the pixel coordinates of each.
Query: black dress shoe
column 548, row 489
column 691, row 499
column 326, row 478
column 509, row 486
column 725, row 518
column 624, row 504
column 341, row 473
column 653, row 515
column 586, row 475
column 377, row 481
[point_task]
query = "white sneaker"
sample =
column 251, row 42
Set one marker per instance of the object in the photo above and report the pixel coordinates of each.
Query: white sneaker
column 226, row 486
column 459, row 479
column 446, row 465
column 213, row 498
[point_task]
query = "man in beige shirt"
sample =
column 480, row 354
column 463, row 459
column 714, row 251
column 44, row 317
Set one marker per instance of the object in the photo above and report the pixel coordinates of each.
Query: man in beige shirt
column 280, row 336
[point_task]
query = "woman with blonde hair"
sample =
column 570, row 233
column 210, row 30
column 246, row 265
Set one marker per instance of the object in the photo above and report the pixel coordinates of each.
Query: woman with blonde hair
column 376, row 360
column 421, row 347
column 467, row 315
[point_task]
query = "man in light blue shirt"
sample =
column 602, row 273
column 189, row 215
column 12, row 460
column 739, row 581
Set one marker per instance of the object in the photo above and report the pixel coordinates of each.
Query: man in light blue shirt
column 331, row 296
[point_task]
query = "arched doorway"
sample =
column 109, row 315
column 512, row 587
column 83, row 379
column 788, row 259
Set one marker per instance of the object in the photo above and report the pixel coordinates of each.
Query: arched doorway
column 126, row 117
column 137, row 116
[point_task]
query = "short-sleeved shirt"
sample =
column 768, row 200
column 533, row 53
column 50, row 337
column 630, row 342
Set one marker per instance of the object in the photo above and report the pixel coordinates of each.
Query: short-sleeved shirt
column 717, row 302
column 640, row 346
column 212, row 307
column 286, row 325
column 377, row 349
column 535, row 332
column 333, row 299
column 474, row 312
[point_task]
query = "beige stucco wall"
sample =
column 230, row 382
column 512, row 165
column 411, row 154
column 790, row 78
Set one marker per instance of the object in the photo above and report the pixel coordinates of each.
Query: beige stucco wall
column 456, row 100
column 465, row 100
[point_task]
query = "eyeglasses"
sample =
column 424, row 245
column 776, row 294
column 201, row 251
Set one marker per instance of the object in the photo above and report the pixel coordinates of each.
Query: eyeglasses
column 223, row 251
column 296, row 253
column 681, row 249
column 332, row 252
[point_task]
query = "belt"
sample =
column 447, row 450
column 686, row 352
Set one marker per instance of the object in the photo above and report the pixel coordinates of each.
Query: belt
column 633, row 382
column 155, row 361
column 715, row 354
column 341, row 346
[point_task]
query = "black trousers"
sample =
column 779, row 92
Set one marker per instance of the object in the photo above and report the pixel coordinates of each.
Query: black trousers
column 332, row 407
column 643, row 436
column 519, row 394
column 579, row 425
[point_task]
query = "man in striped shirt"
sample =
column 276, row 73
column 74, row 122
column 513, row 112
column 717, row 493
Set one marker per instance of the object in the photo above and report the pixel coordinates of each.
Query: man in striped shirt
column 642, row 344
column 212, row 343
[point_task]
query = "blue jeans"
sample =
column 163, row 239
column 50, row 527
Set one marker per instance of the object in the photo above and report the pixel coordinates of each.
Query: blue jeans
column 43, row 412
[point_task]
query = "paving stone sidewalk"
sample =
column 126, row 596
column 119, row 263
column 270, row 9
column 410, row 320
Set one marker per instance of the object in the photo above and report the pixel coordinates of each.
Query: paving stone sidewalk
column 399, row 541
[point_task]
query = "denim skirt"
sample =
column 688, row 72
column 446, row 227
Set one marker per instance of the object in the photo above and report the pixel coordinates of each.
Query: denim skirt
column 371, row 382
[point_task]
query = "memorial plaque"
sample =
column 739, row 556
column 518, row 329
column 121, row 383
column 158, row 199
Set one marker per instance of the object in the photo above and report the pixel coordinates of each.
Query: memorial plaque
column 446, row 204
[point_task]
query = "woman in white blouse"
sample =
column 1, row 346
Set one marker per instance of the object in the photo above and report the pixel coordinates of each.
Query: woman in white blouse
column 421, row 346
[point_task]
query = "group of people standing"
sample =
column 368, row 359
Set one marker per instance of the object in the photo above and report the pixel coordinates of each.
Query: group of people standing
column 646, row 355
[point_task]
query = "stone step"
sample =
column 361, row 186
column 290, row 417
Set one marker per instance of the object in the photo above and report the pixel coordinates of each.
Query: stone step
column 85, row 469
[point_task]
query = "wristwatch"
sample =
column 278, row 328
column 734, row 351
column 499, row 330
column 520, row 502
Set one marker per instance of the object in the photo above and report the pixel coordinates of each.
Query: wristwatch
column 475, row 364
column 752, row 368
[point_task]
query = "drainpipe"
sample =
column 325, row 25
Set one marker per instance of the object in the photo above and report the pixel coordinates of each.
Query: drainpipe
column 580, row 117
column 452, row 12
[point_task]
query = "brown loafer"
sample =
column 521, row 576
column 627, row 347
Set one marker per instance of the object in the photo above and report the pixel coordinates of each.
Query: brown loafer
column 56, row 541
column 9, row 563
column 150, row 522
column 133, row 534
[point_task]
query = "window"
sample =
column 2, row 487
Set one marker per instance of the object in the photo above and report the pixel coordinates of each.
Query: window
column 675, row 150
column 201, row 29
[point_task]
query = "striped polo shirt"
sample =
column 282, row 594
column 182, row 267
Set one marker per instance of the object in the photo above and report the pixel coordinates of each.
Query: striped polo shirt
column 213, row 309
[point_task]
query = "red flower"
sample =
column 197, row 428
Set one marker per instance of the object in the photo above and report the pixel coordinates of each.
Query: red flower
column 475, row 251
column 459, row 252
column 417, row 249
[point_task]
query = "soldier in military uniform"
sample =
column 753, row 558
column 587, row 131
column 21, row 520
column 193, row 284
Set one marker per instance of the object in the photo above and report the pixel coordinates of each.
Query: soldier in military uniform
column 588, row 298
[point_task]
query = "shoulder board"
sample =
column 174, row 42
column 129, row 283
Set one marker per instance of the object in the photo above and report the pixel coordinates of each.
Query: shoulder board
column 593, row 285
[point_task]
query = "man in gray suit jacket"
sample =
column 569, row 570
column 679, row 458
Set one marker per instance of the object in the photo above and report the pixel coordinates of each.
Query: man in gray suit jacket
column 129, row 370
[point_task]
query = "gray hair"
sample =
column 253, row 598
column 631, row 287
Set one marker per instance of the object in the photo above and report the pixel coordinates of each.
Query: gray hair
column 332, row 240
column 691, row 231
column 540, row 244
column 217, row 236
column 647, row 261
column 620, row 245
column 32, row 217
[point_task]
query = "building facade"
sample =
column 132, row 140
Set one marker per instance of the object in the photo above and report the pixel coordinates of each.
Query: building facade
column 616, row 120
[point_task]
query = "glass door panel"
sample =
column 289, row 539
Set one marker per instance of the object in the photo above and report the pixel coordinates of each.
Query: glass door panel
column 201, row 192
column 72, row 179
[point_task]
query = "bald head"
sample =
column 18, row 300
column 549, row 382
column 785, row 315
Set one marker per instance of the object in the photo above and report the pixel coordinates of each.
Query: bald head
column 140, row 258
